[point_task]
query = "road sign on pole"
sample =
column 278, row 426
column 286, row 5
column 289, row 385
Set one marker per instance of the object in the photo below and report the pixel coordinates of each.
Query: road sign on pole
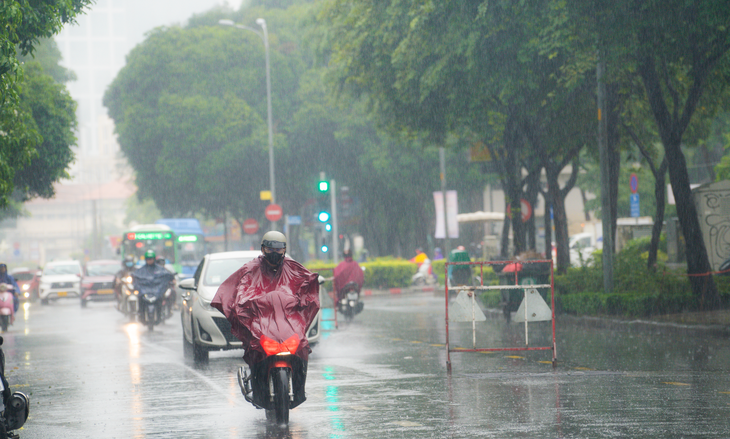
column 634, row 183
column 273, row 212
column 634, row 205
column 250, row 226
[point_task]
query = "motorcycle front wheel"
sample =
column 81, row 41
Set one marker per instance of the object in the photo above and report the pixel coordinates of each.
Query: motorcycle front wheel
column 5, row 321
column 281, row 395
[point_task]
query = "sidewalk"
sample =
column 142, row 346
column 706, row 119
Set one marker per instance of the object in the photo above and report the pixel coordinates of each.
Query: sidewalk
column 717, row 322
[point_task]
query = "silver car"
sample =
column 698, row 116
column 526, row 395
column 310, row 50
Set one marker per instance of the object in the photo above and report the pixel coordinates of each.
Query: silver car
column 205, row 328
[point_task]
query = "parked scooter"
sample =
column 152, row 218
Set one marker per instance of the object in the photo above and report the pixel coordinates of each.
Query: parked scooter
column 7, row 306
column 348, row 300
column 15, row 406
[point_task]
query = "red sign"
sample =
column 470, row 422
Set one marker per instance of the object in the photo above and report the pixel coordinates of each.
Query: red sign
column 526, row 210
column 273, row 212
column 634, row 183
column 250, row 226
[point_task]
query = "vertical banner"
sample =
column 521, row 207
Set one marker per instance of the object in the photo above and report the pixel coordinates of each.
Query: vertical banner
column 452, row 209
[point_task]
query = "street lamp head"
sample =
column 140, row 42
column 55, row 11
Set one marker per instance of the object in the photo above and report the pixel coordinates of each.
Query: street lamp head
column 226, row 22
column 261, row 22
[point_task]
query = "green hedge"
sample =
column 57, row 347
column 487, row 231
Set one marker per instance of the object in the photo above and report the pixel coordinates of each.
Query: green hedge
column 382, row 273
column 637, row 291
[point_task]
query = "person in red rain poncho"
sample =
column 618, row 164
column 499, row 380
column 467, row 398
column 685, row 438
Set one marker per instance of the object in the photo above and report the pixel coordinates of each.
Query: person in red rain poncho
column 347, row 271
column 272, row 296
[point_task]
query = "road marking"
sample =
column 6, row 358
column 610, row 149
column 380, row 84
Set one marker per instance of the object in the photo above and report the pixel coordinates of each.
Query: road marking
column 545, row 362
column 436, row 345
column 416, row 341
column 515, row 357
column 726, row 393
column 672, row 383
column 583, row 368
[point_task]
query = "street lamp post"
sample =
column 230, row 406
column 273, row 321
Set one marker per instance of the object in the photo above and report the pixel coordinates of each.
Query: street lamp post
column 264, row 36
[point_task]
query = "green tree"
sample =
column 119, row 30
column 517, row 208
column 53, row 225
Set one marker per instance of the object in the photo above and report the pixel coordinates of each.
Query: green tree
column 24, row 24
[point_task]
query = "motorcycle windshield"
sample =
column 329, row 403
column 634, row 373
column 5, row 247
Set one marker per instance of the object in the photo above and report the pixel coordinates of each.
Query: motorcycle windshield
column 259, row 301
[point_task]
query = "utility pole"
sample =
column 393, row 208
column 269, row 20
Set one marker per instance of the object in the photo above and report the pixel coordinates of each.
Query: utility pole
column 335, row 235
column 442, row 166
column 606, row 214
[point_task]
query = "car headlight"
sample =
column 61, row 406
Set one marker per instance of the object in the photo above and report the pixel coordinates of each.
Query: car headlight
column 205, row 304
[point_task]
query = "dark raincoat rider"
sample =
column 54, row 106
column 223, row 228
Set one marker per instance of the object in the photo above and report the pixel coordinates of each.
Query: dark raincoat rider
column 6, row 278
column 151, row 278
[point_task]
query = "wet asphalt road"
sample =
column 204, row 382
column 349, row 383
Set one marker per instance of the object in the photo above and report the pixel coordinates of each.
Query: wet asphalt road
column 91, row 374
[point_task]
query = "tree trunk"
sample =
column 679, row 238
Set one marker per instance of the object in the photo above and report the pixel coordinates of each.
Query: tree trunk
column 671, row 126
column 560, row 220
column 703, row 284
column 614, row 155
column 659, row 194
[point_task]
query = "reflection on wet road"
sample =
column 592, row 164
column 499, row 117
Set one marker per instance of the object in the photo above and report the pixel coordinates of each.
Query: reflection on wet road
column 92, row 374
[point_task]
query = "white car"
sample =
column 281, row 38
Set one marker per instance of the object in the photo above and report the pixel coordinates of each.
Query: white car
column 205, row 328
column 582, row 246
column 60, row 279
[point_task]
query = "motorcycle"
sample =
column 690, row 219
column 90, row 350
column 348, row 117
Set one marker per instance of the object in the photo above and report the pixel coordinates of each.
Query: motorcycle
column 14, row 407
column 277, row 355
column 150, row 310
column 7, row 306
column 349, row 300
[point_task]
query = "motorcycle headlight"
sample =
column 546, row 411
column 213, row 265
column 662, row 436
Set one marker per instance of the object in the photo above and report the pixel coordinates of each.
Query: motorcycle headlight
column 26, row 286
column 128, row 279
column 150, row 298
column 352, row 295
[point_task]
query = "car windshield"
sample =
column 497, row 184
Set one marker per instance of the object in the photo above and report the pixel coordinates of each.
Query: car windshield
column 62, row 269
column 102, row 269
column 219, row 270
column 23, row 276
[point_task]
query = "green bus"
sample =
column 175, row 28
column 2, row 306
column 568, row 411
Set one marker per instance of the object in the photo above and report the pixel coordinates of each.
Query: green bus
column 158, row 237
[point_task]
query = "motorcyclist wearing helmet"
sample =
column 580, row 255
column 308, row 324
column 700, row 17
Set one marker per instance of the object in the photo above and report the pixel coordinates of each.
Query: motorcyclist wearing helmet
column 151, row 277
column 126, row 270
column 271, row 271
column 273, row 248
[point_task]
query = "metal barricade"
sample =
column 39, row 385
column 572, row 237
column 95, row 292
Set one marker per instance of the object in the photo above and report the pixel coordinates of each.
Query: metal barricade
column 530, row 296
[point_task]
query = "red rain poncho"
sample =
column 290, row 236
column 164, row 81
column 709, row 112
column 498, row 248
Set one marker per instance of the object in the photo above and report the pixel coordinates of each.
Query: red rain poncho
column 258, row 300
column 347, row 271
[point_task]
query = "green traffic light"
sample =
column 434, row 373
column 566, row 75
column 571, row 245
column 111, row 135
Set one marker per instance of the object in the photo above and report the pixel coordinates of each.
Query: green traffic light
column 324, row 186
column 323, row 216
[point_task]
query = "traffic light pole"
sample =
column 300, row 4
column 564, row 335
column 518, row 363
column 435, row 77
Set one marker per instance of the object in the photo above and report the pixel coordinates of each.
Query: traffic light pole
column 335, row 233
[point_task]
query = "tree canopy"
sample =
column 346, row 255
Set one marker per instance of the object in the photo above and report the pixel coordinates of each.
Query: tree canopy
column 23, row 135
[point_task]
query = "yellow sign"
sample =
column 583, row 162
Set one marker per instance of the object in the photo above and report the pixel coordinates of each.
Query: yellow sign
column 480, row 153
column 265, row 195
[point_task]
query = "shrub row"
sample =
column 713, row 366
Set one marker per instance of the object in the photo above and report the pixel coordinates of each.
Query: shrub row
column 381, row 273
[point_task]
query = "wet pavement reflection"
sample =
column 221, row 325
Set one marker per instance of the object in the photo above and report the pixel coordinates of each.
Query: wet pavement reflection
column 92, row 374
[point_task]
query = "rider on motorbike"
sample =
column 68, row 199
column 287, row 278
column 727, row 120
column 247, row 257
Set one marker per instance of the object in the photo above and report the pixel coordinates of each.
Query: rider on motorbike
column 127, row 269
column 5, row 278
column 270, row 297
column 347, row 271
column 151, row 278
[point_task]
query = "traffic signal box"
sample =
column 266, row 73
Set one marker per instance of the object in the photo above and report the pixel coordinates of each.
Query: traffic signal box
column 323, row 212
